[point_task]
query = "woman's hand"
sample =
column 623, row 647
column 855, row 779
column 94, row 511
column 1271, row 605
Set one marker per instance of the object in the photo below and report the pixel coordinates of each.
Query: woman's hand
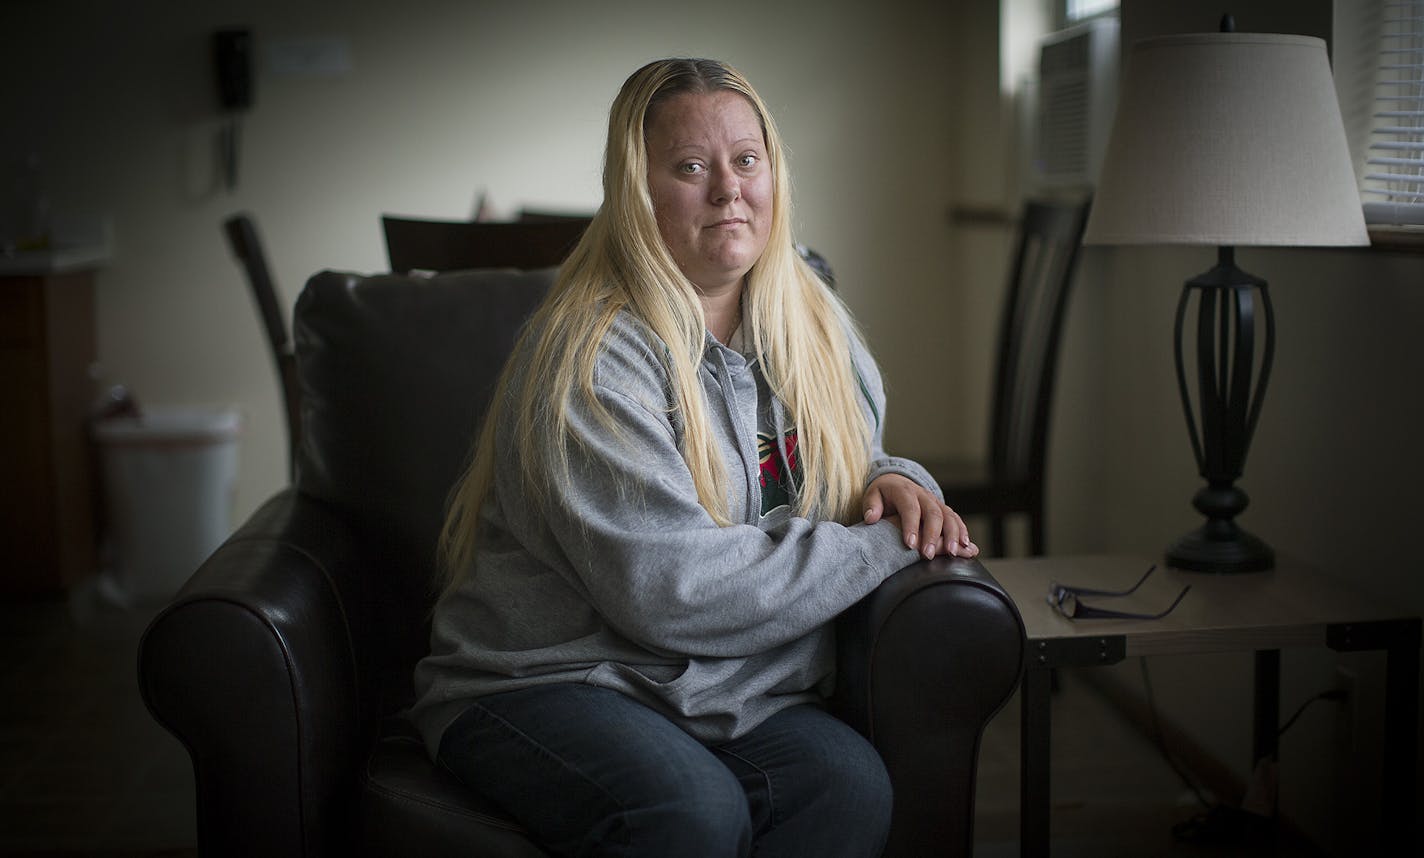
column 927, row 525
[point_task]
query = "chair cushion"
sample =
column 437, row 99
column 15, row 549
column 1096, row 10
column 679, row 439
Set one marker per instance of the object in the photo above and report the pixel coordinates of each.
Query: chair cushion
column 413, row 807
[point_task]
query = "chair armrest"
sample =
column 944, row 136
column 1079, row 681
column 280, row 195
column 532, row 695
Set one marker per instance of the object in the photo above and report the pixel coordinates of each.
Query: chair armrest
column 924, row 662
column 254, row 668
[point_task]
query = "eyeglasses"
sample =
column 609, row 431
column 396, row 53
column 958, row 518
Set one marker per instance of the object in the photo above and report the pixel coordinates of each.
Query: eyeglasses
column 1065, row 600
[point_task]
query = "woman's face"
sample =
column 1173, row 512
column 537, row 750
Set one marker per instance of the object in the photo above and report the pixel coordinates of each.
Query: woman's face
column 711, row 185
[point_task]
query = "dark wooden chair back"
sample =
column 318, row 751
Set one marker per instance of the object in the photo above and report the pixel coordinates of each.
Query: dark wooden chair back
column 438, row 245
column 545, row 216
column 246, row 245
column 1029, row 334
column 1010, row 480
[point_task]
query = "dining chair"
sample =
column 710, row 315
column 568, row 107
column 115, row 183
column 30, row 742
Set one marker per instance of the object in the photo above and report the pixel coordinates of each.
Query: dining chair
column 1010, row 479
column 246, row 245
column 547, row 215
column 444, row 245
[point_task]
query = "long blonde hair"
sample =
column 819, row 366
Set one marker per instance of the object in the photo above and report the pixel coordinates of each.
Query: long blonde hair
column 798, row 327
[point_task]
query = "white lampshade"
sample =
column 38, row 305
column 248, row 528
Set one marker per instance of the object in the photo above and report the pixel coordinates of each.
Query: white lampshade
column 1227, row 139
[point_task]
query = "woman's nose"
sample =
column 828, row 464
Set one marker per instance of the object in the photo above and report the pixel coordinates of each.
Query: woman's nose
column 726, row 188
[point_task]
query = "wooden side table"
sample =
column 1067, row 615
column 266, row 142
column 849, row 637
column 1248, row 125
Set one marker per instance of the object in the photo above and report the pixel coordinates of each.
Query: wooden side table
column 1263, row 612
column 47, row 344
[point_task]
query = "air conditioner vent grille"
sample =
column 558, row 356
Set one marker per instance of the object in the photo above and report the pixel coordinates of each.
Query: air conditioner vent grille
column 1077, row 92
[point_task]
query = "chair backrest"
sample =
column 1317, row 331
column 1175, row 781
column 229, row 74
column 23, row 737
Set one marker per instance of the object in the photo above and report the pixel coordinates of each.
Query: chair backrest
column 246, row 245
column 397, row 373
column 1050, row 234
column 543, row 216
column 436, row 245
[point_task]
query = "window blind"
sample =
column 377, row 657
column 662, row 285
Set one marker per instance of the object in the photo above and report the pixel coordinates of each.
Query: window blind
column 1393, row 183
column 1077, row 10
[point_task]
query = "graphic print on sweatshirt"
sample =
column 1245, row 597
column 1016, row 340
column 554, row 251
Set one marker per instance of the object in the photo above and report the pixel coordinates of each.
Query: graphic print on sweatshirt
column 777, row 476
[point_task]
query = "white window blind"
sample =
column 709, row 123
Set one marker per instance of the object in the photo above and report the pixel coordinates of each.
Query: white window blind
column 1077, row 10
column 1393, row 181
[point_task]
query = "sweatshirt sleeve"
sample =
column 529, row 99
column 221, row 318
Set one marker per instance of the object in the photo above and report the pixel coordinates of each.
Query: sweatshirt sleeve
column 627, row 531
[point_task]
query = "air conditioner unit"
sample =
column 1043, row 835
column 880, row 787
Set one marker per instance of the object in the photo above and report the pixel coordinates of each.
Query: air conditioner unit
column 1077, row 93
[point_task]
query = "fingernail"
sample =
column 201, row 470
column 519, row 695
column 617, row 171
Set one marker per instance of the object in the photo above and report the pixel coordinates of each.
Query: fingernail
column 929, row 551
column 954, row 549
column 910, row 539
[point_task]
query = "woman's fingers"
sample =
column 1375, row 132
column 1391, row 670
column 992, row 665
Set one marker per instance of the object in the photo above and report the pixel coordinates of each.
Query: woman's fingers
column 926, row 524
column 874, row 504
column 909, row 511
column 932, row 530
column 956, row 536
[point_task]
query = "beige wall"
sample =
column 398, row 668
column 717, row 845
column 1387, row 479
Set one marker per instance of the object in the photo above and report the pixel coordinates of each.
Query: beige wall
column 449, row 98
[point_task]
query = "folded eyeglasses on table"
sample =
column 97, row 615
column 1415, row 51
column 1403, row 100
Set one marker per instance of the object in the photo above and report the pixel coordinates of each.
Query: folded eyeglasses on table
column 1066, row 600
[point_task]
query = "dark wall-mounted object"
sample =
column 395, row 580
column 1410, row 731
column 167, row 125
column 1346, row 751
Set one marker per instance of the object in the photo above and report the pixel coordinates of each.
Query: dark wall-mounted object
column 232, row 59
column 232, row 64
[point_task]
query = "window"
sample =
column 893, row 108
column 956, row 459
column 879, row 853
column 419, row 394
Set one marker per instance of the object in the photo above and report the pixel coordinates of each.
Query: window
column 1392, row 183
column 1077, row 10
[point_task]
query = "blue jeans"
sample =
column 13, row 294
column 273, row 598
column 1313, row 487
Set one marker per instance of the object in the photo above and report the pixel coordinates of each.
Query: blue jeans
column 589, row 771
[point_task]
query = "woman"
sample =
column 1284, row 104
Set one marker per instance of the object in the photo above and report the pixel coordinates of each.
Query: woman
column 681, row 484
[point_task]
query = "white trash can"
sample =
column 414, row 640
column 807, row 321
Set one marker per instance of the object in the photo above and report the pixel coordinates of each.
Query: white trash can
column 169, row 475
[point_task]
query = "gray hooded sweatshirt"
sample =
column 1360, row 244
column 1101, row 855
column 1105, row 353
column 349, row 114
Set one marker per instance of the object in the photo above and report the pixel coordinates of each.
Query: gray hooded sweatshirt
column 622, row 580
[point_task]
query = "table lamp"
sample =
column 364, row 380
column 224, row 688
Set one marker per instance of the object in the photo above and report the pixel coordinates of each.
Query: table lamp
column 1226, row 139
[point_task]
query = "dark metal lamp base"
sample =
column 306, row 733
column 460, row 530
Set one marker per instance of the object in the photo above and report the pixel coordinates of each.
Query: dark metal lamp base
column 1230, row 393
column 1220, row 547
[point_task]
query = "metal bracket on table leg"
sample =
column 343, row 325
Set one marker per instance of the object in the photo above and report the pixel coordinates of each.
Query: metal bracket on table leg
column 1076, row 652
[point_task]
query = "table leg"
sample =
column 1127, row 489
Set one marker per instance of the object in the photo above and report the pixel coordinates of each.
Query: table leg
column 1035, row 731
column 1400, row 641
column 1401, row 740
column 1265, row 744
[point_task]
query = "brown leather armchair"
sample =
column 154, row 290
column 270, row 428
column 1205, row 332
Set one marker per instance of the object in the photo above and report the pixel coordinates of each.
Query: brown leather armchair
column 284, row 664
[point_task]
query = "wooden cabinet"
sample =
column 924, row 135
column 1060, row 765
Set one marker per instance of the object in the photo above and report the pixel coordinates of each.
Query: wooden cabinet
column 47, row 469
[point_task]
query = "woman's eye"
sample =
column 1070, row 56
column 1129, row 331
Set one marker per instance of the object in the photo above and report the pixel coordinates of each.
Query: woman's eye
column 747, row 160
column 691, row 168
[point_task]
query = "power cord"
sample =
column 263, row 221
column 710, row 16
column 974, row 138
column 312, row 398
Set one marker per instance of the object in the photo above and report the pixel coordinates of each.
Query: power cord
column 1337, row 694
column 1217, row 823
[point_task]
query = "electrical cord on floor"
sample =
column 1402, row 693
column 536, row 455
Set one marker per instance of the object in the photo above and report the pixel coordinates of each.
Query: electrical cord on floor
column 1217, row 823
